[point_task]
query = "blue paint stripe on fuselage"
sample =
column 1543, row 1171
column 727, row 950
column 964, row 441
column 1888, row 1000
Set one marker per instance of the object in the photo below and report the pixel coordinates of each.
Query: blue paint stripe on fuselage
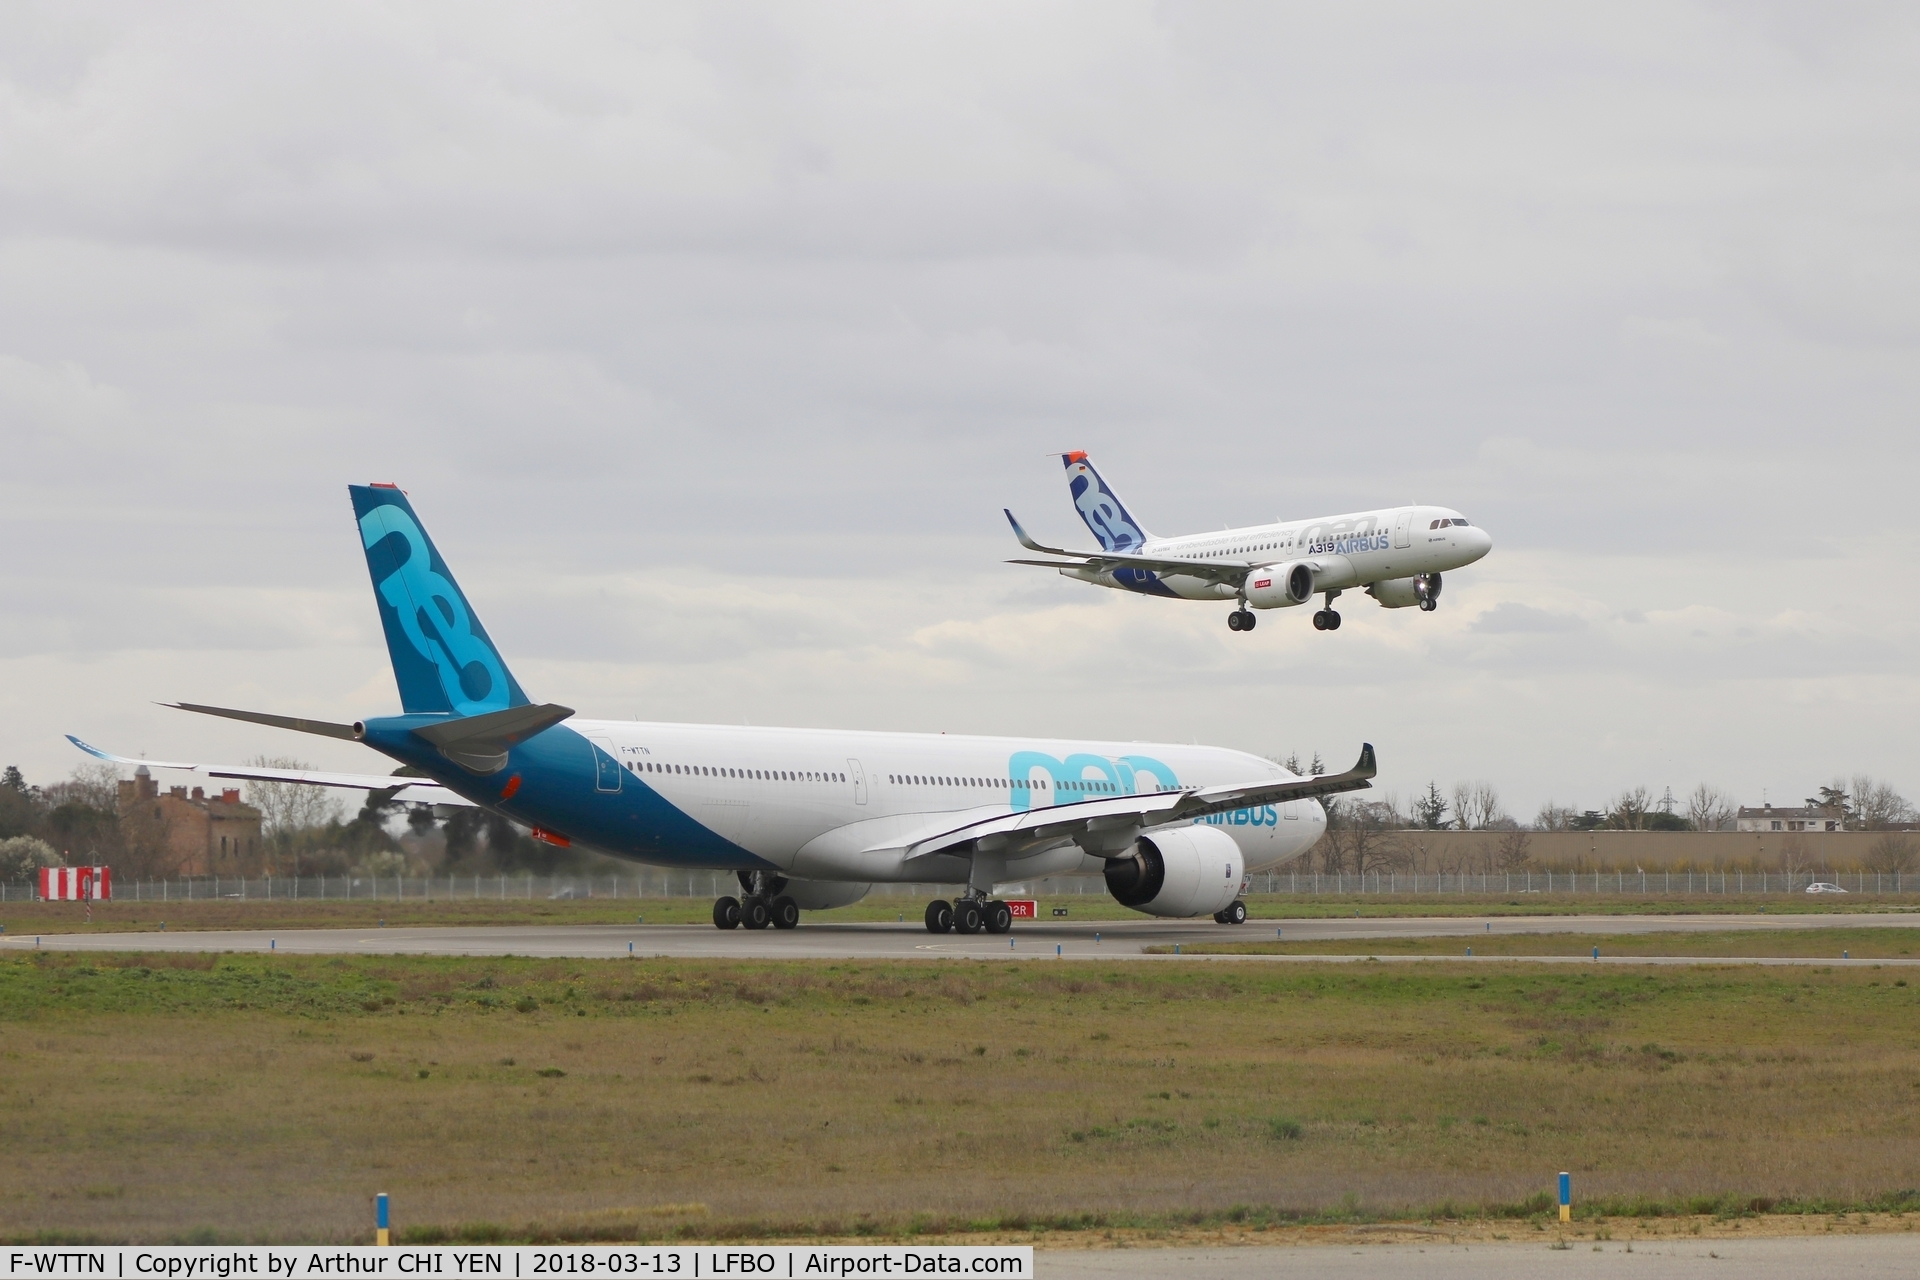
column 1144, row 581
column 557, row 792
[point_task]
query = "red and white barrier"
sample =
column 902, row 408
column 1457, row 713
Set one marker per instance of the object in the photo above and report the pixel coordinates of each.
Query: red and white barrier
column 76, row 884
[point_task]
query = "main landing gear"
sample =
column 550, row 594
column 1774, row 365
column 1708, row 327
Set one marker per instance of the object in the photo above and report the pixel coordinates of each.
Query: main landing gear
column 762, row 904
column 1235, row 914
column 969, row 915
column 1241, row 619
column 1327, row 619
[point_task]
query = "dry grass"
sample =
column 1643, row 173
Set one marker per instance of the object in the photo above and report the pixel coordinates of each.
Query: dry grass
column 1801, row 943
column 165, row 1097
column 125, row 914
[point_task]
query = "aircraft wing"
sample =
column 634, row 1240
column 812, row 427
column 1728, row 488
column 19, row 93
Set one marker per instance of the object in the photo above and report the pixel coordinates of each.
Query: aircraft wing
column 1108, row 820
column 406, row 790
column 1211, row 569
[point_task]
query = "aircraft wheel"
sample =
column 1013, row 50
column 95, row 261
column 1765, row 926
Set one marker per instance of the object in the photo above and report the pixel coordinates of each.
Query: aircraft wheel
column 1235, row 914
column 1233, row 621
column 1333, row 620
column 786, row 913
column 999, row 918
column 726, row 913
column 939, row 916
column 754, row 913
column 1247, row 620
column 1429, row 604
column 1219, row 917
column 967, row 917
column 1320, row 620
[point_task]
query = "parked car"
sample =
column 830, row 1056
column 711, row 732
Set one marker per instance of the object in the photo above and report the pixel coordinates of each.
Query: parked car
column 1821, row 886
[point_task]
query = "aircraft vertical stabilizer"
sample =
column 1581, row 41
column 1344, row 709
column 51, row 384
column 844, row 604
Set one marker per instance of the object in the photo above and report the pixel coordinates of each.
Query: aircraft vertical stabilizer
column 1098, row 505
column 443, row 660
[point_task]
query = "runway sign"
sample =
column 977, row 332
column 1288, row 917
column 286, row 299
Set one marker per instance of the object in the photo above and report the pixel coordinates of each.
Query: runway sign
column 76, row 884
column 1023, row 908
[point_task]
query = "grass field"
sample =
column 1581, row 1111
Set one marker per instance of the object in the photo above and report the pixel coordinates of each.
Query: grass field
column 283, row 913
column 188, row 1096
column 1831, row 943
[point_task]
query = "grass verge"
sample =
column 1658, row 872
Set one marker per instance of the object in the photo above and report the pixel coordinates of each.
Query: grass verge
column 182, row 1096
column 1804, row 943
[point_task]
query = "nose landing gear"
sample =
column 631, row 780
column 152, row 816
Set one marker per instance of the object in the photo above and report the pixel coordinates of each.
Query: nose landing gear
column 1235, row 914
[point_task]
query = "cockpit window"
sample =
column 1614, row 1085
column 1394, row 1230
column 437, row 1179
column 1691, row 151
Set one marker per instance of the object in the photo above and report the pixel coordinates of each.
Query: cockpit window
column 1462, row 523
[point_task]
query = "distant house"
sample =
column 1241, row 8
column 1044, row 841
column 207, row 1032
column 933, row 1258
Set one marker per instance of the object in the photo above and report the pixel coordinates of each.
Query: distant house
column 1805, row 818
column 206, row 835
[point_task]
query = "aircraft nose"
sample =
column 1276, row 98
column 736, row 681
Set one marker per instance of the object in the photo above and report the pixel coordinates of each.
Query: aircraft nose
column 1479, row 541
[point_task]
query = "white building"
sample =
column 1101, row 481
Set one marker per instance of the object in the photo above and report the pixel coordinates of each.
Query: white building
column 1808, row 818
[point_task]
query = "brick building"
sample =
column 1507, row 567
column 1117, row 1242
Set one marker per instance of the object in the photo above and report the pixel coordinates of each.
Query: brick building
column 205, row 835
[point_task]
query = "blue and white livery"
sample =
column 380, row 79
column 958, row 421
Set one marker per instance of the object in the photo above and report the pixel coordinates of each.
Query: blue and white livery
column 1396, row 555
column 808, row 818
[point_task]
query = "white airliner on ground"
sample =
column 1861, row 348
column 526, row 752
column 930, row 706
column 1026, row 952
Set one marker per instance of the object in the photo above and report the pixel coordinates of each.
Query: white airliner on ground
column 1397, row 555
column 808, row 818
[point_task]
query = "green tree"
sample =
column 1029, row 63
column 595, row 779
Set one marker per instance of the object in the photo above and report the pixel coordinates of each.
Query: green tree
column 1430, row 809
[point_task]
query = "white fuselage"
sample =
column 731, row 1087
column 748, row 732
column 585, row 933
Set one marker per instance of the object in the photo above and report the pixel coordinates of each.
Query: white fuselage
column 1344, row 551
column 844, row 805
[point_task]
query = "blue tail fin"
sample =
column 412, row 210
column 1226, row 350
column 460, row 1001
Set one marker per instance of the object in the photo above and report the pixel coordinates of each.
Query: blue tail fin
column 1109, row 520
column 442, row 658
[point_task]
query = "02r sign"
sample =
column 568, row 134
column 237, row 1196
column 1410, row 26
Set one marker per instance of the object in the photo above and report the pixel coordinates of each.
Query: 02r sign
column 1023, row 908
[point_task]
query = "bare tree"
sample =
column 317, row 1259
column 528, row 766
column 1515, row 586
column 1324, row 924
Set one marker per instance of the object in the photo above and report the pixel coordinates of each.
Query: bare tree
column 1893, row 853
column 1514, row 851
column 1795, row 859
column 1476, row 806
column 1708, row 808
column 96, row 785
column 1630, row 809
column 1555, row 817
column 287, row 807
column 1877, row 806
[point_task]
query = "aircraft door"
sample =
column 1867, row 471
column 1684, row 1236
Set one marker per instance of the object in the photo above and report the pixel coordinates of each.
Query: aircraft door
column 1403, row 528
column 859, row 781
column 606, row 769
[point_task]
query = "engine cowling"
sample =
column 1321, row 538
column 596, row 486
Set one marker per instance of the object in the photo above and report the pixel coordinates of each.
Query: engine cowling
column 1280, row 586
column 1183, row 871
column 1402, row 593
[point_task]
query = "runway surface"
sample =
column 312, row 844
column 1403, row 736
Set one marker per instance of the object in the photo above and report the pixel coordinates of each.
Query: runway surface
column 1113, row 940
column 1863, row 1257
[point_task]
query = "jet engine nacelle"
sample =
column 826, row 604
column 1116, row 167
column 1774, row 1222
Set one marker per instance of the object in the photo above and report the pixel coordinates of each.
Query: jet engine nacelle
column 1181, row 871
column 1400, row 593
column 1280, row 586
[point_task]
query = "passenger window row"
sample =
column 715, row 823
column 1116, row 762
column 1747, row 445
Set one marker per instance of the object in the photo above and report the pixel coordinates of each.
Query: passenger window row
column 750, row 775
column 947, row 780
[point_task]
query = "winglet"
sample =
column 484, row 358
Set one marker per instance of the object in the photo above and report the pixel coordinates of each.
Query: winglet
column 1025, row 539
column 111, row 758
column 1366, row 768
column 97, row 753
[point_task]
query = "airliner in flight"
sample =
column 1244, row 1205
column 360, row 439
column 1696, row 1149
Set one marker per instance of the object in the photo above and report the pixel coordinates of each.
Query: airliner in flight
column 809, row 819
column 1397, row 555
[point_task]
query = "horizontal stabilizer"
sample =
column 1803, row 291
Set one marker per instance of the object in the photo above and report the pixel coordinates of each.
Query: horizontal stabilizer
column 325, row 728
column 480, row 743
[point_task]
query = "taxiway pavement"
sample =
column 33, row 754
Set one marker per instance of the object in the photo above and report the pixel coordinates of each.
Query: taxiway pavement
column 1046, row 939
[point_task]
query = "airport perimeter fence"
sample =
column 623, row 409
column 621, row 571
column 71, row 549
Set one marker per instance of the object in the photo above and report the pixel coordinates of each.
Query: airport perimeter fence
column 658, row 884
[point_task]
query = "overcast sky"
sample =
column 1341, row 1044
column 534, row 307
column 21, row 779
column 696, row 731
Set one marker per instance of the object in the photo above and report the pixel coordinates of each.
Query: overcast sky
column 710, row 341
